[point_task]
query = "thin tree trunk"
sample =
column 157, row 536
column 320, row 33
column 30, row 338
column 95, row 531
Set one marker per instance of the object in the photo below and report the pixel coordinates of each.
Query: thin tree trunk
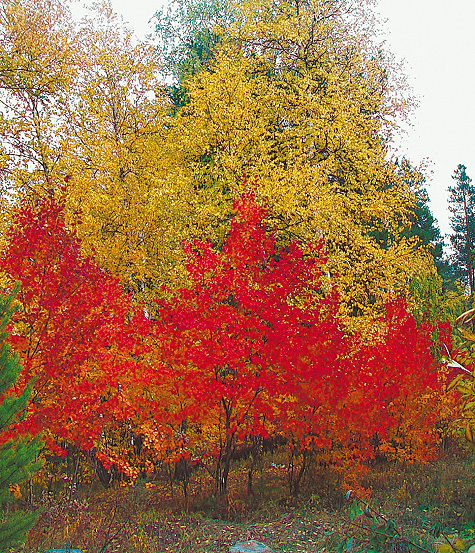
column 468, row 246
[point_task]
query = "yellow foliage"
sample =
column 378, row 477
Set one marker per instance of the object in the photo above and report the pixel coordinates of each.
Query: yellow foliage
column 37, row 65
column 114, row 122
column 15, row 490
column 295, row 102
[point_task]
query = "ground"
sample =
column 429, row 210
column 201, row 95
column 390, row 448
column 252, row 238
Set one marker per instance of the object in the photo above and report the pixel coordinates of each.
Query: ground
column 422, row 507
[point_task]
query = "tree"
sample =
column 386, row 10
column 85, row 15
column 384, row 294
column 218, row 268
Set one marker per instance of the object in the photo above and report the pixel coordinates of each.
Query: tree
column 17, row 453
column 422, row 222
column 255, row 348
column 241, row 338
column 298, row 95
column 71, row 330
column 462, row 207
column 82, row 103
column 433, row 292
column 38, row 47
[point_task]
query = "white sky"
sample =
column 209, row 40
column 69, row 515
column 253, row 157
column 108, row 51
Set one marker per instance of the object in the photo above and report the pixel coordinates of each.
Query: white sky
column 437, row 41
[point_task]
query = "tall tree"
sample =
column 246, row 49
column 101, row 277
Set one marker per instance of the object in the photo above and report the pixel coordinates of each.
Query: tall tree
column 299, row 95
column 295, row 93
column 17, row 454
column 85, row 100
column 462, row 221
column 37, row 65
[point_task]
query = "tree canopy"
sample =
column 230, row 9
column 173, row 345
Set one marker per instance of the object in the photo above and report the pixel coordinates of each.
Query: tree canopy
column 213, row 239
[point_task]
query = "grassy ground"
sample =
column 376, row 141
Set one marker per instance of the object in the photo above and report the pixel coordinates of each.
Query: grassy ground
column 419, row 500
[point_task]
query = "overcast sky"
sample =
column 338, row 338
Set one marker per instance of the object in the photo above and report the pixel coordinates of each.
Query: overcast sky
column 437, row 41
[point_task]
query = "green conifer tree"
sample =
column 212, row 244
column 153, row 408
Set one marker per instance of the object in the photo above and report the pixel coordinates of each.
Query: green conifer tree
column 17, row 454
column 462, row 221
column 424, row 224
column 187, row 33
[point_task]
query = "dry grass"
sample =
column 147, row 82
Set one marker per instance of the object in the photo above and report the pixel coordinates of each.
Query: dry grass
column 138, row 520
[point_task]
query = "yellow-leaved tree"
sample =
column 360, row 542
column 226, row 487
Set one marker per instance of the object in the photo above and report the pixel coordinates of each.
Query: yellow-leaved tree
column 299, row 99
column 294, row 99
column 84, row 115
column 111, row 154
column 37, row 66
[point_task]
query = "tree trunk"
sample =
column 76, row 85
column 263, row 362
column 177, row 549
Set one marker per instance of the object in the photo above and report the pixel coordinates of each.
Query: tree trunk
column 468, row 245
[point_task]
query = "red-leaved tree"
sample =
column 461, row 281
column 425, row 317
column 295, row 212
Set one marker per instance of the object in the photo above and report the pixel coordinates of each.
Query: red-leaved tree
column 251, row 331
column 254, row 348
column 72, row 330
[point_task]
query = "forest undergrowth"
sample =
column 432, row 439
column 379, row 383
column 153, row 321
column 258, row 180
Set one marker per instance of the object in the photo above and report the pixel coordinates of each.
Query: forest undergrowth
column 423, row 506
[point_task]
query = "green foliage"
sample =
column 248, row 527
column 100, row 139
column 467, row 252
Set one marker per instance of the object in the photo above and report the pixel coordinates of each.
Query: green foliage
column 17, row 454
column 188, row 32
column 462, row 239
column 384, row 533
column 436, row 294
column 432, row 299
column 424, row 225
column 426, row 228
column 463, row 380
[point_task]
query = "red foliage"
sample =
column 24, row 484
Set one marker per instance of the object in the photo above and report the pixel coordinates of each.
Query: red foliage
column 249, row 321
column 255, row 347
column 71, row 330
column 396, row 390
